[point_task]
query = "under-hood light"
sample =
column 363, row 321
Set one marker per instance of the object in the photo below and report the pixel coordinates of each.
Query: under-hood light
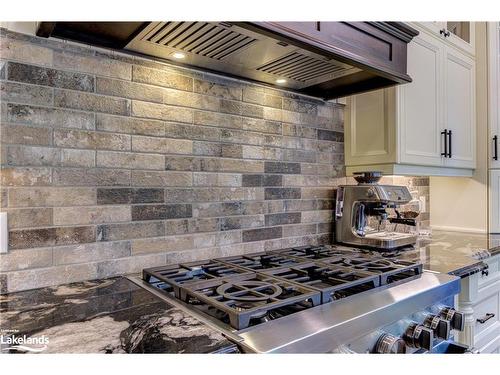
column 281, row 80
column 178, row 55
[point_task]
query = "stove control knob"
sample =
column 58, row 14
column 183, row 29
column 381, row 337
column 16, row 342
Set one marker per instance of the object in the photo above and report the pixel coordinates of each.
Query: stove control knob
column 389, row 344
column 439, row 326
column 419, row 336
column 456, row 319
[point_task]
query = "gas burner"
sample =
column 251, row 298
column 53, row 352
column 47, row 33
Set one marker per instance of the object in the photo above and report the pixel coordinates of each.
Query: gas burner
column 260, row 261
column 369, row 264
column 249, row 291
column 316, row 252
column 175, row 276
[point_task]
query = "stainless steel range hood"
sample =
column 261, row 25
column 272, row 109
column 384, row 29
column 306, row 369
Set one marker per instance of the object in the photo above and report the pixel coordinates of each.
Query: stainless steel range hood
column 327, row 59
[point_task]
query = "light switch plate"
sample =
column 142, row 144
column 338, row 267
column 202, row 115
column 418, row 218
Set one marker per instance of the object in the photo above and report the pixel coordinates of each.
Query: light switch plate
column 4, row 233
column 423, row 201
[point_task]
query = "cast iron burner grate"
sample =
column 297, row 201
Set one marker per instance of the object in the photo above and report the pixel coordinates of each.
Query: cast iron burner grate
column 261, row 261
column 334, row 282
column 249, row 296
column 318, row 252
column 390, row 271
column 175, row 276
column 254, row 288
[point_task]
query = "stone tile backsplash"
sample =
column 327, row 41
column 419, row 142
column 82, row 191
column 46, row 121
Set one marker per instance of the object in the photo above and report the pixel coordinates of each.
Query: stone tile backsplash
column 112, row 163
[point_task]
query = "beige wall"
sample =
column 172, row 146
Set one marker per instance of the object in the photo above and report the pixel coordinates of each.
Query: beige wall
column 459, row 203
column 21, row 27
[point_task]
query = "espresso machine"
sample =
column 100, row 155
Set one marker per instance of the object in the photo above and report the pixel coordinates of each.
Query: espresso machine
column 362, row 218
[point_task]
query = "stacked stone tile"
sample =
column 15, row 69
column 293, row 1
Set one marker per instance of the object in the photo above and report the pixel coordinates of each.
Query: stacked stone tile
column 113, row 163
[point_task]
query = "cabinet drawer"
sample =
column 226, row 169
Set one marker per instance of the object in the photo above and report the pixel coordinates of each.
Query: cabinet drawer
column 483, row 311
column 493, row 272
column 491, row 347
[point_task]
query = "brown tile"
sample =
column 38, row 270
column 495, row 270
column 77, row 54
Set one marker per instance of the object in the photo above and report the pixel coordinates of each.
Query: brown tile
column 18, row 176
column 29, row 94
column 49, row 77
column 161, row 212
column 91, row 177
column 282, row 218
column 29, row 217
column 261, row 234
column 28, row 238
column 26, row 135
column 163, row 78
column 281, row 167
column 91, row 102
column 50, row 117
column 282, row 193
column 129, row 195
column 115, row 232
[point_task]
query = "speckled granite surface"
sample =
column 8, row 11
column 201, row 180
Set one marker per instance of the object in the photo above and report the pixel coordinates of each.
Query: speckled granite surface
column 117, row 316
column 103, row 316
column 454, row 253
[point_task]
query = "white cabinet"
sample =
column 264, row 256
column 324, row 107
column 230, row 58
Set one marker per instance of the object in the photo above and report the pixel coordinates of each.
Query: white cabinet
column 494, row 198
column 420, row 104
column 494, row 92
column 479, row 300
column 426, row 127
column 493, row 33
column 460, row 113
column 460, row 35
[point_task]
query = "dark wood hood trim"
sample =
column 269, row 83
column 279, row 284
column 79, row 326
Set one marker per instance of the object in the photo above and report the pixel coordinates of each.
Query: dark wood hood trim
column 379, row 49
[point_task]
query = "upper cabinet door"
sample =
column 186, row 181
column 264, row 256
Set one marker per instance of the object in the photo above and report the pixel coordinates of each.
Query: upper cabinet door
column 494, row 92
column 460, row 119
column 420, row 103
column 462, row 34
column 458, row 34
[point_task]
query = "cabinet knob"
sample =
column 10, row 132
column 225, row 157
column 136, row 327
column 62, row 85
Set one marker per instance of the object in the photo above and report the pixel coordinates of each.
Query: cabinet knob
column 444, row 32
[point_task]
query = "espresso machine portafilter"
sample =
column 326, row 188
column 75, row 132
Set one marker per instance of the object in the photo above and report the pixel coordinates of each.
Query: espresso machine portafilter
column 356, row 204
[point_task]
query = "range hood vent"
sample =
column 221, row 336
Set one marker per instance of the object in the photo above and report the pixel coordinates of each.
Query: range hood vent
column 301, row 67
column 322, row 59
column 200, row 38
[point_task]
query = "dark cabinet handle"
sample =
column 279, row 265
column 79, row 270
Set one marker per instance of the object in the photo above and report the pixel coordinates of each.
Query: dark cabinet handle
column 445, row 133
column 495, row 147
column 485, row 272
column 449, row 147
column 487, row 317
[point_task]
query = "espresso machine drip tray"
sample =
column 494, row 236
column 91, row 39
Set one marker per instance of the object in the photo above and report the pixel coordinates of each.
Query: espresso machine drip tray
column 389, row 235
column 389, row 240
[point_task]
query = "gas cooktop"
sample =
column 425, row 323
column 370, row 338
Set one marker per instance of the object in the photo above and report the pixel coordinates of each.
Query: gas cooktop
column 248, row 290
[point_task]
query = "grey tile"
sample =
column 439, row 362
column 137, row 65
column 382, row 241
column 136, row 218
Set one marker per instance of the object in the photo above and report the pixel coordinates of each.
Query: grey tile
column 50, row 77
column 281, row 167
column 252, row 235
column 282, row 193
column 161, row 211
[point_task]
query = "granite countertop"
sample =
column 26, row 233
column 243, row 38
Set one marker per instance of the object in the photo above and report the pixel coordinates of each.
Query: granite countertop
column 104, row 316
column 455, row 253
column 117, row 316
